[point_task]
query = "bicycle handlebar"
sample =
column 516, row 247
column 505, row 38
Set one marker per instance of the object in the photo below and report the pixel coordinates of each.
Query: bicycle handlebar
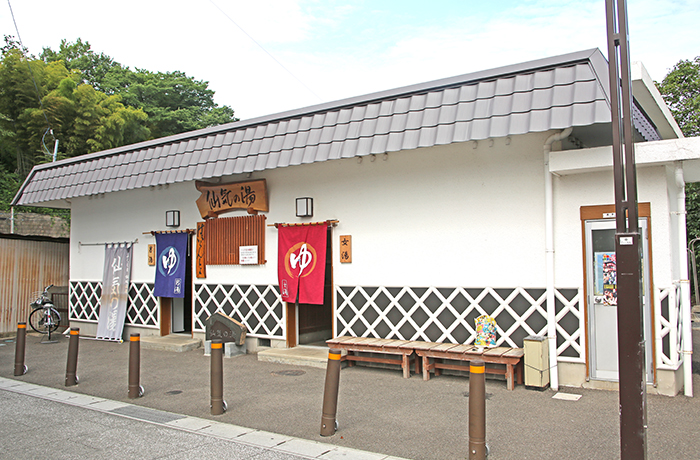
column 44, row 297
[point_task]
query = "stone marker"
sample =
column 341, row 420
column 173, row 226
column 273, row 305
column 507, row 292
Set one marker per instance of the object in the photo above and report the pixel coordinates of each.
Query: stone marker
column 225, row 328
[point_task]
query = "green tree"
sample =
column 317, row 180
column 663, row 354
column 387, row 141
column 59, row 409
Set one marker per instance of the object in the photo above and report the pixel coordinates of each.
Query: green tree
column 680, row 89
column 89, row 102
column 174, row 102
column 93, row 67
column 43, row 101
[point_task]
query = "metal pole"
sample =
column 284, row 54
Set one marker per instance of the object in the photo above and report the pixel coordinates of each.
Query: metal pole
column 55, row 148
column 218, row 405
column 477, row 410
column 72, row 364
column 630, row 327
column 329, row 425
column 20, row 344
column 135, row 389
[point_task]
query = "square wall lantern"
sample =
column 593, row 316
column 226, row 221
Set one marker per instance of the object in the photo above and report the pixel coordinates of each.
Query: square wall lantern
column 172, row 218
column 305, row 207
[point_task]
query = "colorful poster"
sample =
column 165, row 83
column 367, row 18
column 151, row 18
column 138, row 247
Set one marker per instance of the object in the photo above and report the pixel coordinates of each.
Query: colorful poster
column 115, row 292
column 605, row 278
column 171, row 263
column 302, row 263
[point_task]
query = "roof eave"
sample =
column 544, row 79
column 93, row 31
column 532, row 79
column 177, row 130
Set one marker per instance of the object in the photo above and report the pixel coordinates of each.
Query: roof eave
column 594, row 56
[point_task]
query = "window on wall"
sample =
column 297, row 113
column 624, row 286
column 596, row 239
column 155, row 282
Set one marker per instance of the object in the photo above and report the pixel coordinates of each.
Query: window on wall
column 235, row 240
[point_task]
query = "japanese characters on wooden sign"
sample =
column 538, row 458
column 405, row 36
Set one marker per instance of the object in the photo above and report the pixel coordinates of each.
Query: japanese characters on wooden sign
column 201, row 252
column 216, row 199
column 345, row 249
column 151, row 254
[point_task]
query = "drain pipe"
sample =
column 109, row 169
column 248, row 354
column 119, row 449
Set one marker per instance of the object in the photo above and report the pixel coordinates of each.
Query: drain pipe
column 549, row 254
column 685, row 285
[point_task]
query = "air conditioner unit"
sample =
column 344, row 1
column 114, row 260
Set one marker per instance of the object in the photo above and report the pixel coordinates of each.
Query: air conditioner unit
column 536, row 362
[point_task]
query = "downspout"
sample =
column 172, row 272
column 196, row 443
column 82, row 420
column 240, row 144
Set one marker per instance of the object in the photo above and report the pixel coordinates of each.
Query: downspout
column 549, row 257
column 685, row 285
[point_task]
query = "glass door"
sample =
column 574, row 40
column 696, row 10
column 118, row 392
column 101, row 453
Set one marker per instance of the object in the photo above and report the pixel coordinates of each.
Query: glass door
column 602, row 299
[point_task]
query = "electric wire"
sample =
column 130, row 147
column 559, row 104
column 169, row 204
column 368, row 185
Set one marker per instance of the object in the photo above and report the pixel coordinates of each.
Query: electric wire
column 266, row 51
column 49, row 129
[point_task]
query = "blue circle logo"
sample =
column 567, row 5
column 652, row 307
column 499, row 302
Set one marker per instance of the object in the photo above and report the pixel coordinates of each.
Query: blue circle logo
column 168, row 261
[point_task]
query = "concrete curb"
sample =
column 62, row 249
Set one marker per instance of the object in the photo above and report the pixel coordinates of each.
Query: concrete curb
column 233, row 433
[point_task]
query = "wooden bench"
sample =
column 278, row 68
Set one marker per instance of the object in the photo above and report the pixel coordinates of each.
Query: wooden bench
column 400, row 348
column 511, row 357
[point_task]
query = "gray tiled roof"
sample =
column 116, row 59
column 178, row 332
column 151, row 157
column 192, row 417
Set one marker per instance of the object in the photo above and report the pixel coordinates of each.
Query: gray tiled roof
column 538, row 96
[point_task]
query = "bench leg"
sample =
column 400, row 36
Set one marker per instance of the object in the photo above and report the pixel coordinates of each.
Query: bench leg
column 351, row 362
column 426, row 368
column 416, row 358
column 438, row 371
column 519, row 370
column 406, row 366
column 509, row 376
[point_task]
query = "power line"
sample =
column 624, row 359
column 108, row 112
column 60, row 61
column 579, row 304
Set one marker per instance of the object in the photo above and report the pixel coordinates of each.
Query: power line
column 266, row 51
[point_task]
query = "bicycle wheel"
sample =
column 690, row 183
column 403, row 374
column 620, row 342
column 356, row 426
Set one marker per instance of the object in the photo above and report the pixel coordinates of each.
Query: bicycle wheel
column 52, row 319
column 37, row 321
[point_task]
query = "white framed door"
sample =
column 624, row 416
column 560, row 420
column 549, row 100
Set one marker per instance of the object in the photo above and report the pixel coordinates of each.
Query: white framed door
column 601, row 289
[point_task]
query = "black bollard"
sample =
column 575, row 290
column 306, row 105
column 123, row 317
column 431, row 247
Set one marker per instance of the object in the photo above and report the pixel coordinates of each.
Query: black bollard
column 135, row 389
column 20, row 344
column 329, row 425
column 72, row 363
column 218, row 405
column 477, row 411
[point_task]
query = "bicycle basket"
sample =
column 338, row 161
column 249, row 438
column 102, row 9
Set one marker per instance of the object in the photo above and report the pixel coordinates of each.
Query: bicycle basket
column 37, row 297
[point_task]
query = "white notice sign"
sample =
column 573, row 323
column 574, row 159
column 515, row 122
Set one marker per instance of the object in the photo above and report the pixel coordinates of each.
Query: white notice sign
column 248, row 255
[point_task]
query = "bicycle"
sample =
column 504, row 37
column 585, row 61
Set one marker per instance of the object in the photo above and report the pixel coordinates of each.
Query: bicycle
column 44, row 318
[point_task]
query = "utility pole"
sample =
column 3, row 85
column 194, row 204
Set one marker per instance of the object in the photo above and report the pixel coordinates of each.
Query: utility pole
column 630, row 331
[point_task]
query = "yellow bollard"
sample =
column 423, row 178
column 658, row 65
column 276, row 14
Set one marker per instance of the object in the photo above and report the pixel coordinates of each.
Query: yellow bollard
column 218, row 405
column 20, row 344
column 329, row 424
column 135, row 388
column 72, row 364
column 477, row 410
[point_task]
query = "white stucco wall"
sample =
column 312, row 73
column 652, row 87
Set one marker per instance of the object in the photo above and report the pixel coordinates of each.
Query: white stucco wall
column 448, row 216
column 596, row 188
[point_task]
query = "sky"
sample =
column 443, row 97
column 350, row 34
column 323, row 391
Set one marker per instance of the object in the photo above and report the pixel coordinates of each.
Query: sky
column 267, row 56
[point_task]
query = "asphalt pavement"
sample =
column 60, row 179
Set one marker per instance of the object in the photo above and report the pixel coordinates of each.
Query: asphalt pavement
column 380, row 413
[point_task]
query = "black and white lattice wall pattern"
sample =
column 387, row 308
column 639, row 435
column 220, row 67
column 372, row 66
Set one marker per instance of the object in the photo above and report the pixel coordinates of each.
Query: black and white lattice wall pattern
column 259, row 307
column 448, row 314
column 84, row 303
column 669, row 327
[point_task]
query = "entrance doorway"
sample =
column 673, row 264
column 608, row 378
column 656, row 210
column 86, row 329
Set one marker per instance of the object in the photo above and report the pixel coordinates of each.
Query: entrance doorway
column 311, row 324
column 601, row 289
column 175, row 312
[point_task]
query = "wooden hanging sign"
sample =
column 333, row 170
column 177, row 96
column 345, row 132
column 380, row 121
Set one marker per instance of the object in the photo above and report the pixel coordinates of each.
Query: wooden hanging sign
column 216, row 199
column 346, row 249
column 201, row 252
column 151, row 254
